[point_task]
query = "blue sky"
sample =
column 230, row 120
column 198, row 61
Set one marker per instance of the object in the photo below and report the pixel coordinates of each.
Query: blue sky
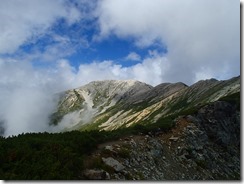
column 85, row 49
column 183, row 40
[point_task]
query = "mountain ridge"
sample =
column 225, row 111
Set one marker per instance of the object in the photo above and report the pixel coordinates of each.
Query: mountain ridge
column 113, row 104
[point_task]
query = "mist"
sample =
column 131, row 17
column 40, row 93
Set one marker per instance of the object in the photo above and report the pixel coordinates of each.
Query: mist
column 73, row 119
column 28, row 97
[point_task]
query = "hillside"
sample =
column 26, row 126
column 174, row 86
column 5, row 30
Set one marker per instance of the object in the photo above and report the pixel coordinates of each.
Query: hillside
column 200, row 145
column 136, row 132
column 111, row 104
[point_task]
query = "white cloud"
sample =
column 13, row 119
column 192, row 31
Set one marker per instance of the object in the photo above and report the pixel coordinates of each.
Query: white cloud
column 151, row 70
column 203, row 73
column 26, row 95
column 133, row 56
column 198, row 34
column 68, row 121
column 22, row 21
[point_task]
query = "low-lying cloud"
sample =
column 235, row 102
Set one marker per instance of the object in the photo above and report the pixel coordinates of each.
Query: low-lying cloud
column 27, row 96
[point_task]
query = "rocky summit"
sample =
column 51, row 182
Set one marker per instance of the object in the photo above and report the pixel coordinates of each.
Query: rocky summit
column 113, row 104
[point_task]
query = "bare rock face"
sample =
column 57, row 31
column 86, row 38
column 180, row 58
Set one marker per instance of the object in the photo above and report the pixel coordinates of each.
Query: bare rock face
column 93, row 99
column 159, row 92
column 221, row 121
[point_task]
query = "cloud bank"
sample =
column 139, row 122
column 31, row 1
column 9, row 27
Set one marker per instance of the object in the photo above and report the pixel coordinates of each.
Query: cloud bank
column 27, row 96
column 199, row 35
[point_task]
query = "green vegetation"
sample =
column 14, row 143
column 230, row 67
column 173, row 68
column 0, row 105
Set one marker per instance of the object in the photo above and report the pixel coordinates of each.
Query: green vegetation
column 94, row 125
column 182, row 102
column 58, row 156
column 233, row 98
column 124, row 152
column 47, row 156
column 142, row 105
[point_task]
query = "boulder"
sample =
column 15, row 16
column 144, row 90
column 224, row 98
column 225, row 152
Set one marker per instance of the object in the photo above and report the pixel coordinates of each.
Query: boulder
column 116, row 165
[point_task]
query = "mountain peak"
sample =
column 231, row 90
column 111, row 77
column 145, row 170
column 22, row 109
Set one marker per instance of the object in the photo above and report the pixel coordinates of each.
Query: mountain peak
column 129, row 82
column 110, row 104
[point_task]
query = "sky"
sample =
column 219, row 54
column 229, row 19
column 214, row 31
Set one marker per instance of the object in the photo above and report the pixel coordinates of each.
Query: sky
column 51, row 46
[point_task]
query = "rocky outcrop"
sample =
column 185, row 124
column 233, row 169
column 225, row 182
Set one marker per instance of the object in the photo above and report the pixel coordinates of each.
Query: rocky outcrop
column 221, row 122
column 201, row 146
column 113, row 163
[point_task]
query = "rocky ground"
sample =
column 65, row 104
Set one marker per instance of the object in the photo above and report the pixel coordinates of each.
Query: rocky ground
column 203, row 146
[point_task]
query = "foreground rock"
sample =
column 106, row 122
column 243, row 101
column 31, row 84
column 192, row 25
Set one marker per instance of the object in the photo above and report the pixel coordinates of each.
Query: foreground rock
column 113, row 163
column 202, row 146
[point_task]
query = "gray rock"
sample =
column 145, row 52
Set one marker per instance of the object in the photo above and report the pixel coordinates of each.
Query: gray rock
column 155, row 152
column 172, row 138
column 108, row 147
column 117, row 166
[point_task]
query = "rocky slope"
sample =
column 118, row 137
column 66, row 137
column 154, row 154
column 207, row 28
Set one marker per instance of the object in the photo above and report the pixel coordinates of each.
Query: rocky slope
column 111, row 104
column 201, row 146
column 89, row 101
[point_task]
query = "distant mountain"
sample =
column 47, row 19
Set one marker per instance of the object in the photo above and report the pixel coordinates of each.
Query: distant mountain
column 113, row 104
